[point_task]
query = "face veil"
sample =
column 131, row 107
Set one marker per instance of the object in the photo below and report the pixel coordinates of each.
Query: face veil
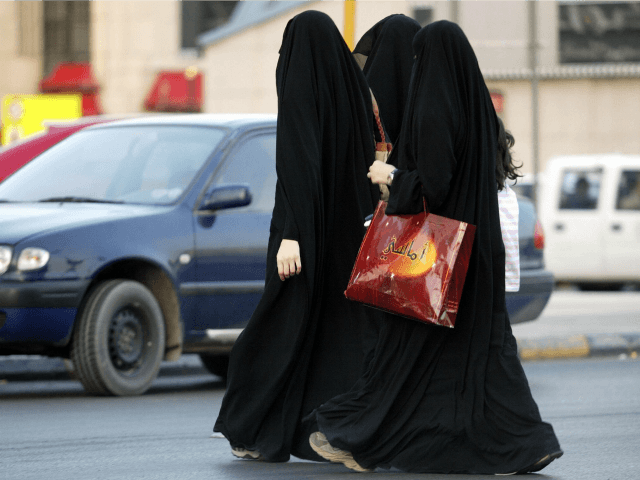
column 449, row 133
column 325, row 133
column 386, row 50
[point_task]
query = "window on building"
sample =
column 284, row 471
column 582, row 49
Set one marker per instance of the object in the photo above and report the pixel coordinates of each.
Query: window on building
column 592, row 32
column 66, row 33
column 199, row 17
column 423, row 15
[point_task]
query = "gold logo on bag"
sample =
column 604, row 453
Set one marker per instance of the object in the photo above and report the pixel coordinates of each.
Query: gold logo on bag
column 408, row 262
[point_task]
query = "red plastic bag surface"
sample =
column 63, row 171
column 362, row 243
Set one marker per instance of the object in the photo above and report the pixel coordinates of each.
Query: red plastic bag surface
column 413, row 266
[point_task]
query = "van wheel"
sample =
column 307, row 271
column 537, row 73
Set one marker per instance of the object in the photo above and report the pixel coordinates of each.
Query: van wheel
column 216, row 364
column 118, row 342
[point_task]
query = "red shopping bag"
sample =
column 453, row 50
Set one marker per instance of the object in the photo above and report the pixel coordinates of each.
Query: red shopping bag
column 413, row 266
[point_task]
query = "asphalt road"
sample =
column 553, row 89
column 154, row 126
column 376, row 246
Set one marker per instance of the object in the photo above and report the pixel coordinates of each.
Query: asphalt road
column 572, row 312
column 53, row 430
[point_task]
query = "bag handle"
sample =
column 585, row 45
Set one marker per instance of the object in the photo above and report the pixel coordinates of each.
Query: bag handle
column 382, row 146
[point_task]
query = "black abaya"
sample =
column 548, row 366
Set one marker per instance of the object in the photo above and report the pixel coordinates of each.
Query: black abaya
column 435, row 399
column 305, row 343
column 389, row 60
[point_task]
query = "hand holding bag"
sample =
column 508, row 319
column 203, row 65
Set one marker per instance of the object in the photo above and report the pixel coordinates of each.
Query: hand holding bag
column 413, row 266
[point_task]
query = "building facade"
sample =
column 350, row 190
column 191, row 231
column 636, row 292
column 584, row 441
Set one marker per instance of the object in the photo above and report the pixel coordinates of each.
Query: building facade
column 587, row 57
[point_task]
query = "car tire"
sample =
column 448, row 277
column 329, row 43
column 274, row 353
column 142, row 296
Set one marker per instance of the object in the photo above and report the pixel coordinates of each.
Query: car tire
column 118, row 343
column 216, row 364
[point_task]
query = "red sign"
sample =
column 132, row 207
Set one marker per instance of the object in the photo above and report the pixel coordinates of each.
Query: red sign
column 75, row 77
column 176, row 91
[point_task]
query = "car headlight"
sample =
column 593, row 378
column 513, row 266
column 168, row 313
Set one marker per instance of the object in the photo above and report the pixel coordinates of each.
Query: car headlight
column 5, row 258
column 32, row 259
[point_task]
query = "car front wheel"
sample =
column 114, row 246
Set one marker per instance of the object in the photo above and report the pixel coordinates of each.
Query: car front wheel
column 118, row 343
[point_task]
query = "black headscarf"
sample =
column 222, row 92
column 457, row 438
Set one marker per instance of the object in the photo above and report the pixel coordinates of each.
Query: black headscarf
column 389, row 60
column 305, row 342
column 436, row 399
column 450, row 137
column 324, row 143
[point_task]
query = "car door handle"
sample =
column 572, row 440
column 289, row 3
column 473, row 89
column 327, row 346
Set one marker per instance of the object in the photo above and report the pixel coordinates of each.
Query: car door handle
column 616, row 227
column 559, row 227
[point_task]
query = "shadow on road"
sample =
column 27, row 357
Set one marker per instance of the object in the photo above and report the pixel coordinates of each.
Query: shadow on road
column 14, row 390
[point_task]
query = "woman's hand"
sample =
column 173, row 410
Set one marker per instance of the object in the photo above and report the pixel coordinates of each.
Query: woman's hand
column 379, row 172
column 288, row 259
column 384, row 193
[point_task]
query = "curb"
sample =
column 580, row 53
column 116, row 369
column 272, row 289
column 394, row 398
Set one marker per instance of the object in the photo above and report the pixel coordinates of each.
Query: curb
column 579, row 346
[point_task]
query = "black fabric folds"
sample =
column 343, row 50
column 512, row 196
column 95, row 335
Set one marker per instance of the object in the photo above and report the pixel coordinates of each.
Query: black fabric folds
column 389, row 60
column 305, row 342
column 436, row 399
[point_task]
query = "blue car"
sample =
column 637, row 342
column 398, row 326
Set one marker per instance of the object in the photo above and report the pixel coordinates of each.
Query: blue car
column 136, row 241
column 536, row 283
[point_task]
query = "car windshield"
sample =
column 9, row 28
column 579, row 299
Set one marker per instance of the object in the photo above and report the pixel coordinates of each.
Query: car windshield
column 126, row 164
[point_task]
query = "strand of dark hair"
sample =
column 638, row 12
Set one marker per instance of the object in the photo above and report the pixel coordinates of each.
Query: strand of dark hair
column 505, row 165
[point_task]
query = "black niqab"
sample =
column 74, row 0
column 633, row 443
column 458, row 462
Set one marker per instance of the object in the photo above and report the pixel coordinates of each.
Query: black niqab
column 305, row 342
column 389, row 60
column 436, row 399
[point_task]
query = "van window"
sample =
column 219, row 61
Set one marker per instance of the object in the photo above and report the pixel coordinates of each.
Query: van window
column 580, row 189
column 629, row 190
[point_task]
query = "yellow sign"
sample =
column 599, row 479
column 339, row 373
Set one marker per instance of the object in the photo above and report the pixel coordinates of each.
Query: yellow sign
column 23, row 115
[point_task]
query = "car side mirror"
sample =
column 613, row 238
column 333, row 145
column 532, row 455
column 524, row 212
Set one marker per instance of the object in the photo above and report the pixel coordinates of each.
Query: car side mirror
column 227, row 196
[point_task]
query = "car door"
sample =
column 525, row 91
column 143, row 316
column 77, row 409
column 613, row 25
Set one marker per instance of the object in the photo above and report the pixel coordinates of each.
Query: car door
column 231, row 245
column 622, row 227
column 573, row 221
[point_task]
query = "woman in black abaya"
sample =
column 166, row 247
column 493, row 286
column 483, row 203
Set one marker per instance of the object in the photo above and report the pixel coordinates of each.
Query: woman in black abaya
column 386, row 57
column 305, row 343
column 436, row 399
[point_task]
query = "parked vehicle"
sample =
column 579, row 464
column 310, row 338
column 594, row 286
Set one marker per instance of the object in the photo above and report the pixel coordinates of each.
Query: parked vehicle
column 138, row 240
column 524, row 186
column 14, row 156
column 536, row 282
column 590, row 209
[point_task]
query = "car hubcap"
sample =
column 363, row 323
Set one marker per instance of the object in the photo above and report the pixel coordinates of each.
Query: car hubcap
column 126, row 337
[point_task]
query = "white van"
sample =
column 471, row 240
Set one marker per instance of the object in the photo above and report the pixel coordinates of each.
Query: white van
column 589, row 207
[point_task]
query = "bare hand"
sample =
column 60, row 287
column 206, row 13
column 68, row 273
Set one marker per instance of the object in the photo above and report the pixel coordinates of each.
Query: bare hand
column 379, row 172
column 288, row 259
